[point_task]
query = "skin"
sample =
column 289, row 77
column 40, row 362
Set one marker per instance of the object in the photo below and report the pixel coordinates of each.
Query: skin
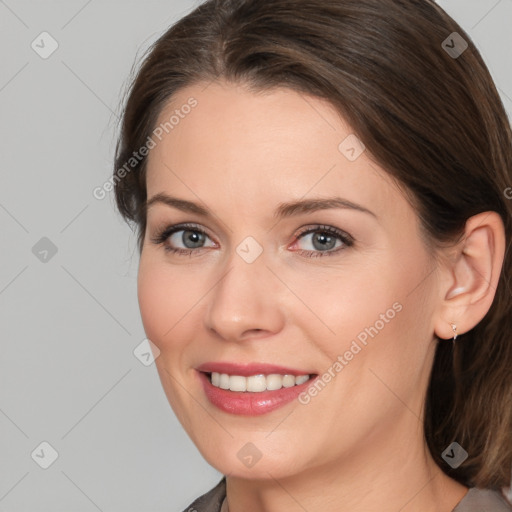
column 358, row 445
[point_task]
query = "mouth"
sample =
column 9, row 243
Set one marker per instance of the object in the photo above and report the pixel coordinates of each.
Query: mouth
column 253, row 395
column 257, row 383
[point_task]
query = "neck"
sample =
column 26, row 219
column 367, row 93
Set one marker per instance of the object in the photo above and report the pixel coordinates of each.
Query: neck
column 403, row 478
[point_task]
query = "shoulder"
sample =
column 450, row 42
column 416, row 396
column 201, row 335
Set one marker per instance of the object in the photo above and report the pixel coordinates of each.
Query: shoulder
column 477, row 499
column 210, row 501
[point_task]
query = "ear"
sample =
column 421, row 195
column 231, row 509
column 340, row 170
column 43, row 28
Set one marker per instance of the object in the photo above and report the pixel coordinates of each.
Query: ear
column 470, row 275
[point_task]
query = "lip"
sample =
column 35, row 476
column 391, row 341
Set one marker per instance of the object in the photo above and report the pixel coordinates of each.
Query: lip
column 249, row 403
column 246, row 370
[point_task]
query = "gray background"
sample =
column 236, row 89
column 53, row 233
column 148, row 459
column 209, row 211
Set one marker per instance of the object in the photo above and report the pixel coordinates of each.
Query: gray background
column 70, row 321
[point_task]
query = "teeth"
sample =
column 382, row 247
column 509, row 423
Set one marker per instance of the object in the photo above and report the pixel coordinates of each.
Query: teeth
column 256, row 383
column 301, row 379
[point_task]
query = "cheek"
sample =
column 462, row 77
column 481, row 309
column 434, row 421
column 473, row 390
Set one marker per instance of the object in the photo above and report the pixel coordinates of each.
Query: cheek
column 371, row 311
column 166, row 297
column 346, row 302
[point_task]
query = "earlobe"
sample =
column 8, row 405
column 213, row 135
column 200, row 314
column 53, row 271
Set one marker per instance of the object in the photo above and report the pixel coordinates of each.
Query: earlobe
column 473, row 275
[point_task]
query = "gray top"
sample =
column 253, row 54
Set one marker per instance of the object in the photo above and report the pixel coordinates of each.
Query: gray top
column 475, row 500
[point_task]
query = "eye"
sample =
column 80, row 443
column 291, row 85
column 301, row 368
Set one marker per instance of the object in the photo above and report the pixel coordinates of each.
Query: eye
column 321, row 240
column 190, row 236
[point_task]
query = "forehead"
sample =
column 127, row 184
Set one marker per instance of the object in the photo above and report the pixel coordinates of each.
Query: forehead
column 249, row 150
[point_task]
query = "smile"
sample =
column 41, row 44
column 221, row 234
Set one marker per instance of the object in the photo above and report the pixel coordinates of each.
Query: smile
column 252, row 395
column 256, row 383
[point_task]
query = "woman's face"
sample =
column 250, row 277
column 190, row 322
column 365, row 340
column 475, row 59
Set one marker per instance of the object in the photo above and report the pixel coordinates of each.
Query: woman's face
column 354, row 305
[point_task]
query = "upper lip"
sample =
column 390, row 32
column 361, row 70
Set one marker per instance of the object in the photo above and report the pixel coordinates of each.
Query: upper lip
column 246, row 370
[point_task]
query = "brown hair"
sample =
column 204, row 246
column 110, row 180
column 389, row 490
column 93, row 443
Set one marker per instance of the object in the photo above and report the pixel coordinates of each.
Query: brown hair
column 433, row 121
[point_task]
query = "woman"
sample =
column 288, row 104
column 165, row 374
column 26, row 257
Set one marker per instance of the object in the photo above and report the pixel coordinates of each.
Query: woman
column 320, row 190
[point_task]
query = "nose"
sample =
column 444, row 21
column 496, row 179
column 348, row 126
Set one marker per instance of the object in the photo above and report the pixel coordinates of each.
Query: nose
column 245, row 302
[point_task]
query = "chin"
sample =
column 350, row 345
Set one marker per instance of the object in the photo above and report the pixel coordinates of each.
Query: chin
column 244, row 460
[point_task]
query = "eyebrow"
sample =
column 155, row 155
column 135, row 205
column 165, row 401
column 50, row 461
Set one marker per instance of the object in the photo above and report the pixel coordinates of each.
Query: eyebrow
column 283, row 210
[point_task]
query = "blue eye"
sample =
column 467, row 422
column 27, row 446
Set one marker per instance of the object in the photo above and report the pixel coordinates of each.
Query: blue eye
column 326, row 240
column 190, row 235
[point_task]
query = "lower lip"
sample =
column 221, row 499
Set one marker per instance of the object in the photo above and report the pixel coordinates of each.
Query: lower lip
column 248, row 403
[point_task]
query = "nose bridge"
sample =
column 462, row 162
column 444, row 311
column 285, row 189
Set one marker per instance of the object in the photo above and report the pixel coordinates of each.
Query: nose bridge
column 245, row 298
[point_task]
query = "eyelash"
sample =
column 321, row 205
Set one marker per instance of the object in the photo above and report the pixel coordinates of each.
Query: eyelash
column 161, row 238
